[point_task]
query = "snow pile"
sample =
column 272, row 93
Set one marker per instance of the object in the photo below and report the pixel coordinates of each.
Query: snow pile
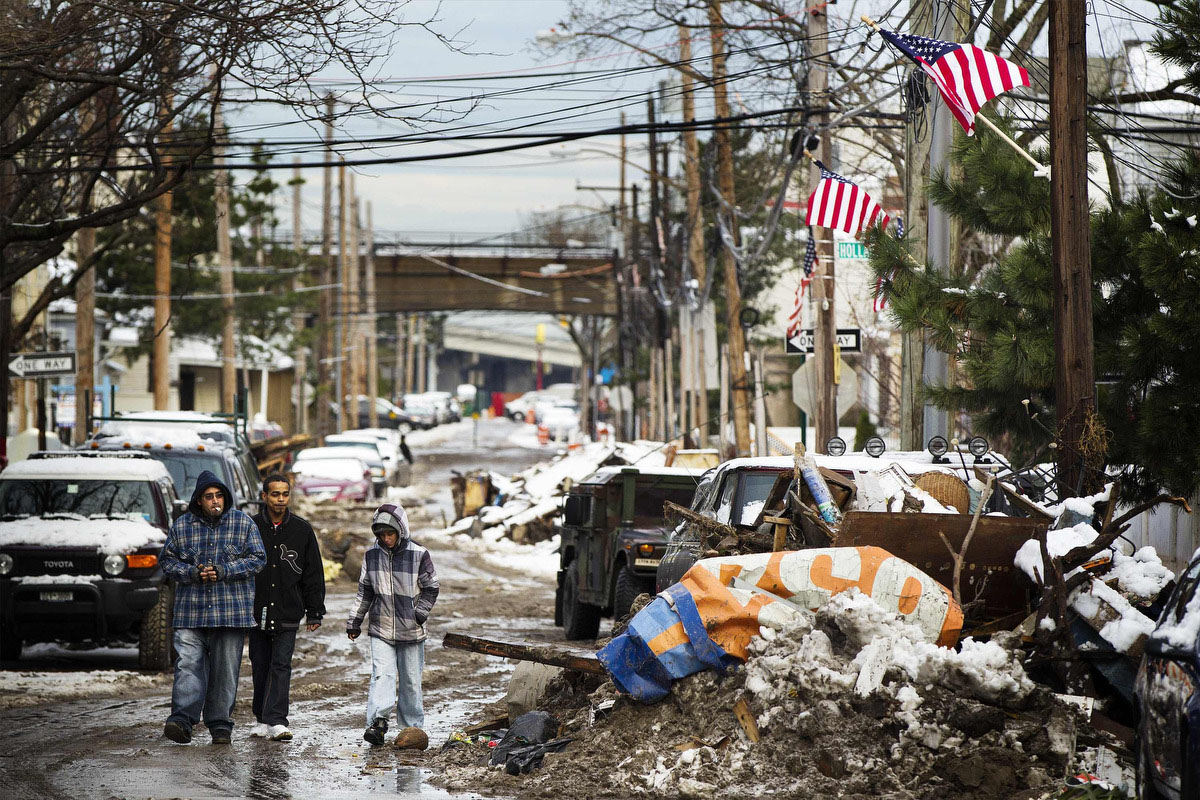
column 1141, row 574
column 1058, row 543
column 106, row 536
column 34, row 688
column 87, row 468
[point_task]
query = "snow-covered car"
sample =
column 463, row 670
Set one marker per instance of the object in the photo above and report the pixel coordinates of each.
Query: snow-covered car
column 421, row 412
column 517, row 408
column 562, row 421
column 337, row 479
column 386, row 441
column 80, row 536
column 1167, row 743
column 366, row 452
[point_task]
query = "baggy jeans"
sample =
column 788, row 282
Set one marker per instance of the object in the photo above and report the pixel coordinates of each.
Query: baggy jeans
column 396, row 666
column 206, row 676
column 271, row 666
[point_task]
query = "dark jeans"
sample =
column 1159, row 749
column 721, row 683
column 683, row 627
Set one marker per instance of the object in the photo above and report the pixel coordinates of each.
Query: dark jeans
column 271, row 665
column 206, row 675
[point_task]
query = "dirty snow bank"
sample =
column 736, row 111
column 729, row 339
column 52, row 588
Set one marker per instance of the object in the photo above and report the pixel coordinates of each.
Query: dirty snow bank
column 850, row 702
column 19, row 689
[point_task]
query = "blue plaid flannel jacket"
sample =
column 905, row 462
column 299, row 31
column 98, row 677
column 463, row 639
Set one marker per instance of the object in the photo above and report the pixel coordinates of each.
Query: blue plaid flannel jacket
column 233, row 545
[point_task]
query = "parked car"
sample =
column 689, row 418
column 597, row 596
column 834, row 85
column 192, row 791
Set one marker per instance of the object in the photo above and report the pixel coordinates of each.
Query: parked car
column 561, row 420
column 338, row 479
column 185, row 459
column 517, row 408
column 80, row 535
column 368, row 455
column 1167, row 741
column 613, row 535
column 421, row 412
column 388, row 415
column 387, row 451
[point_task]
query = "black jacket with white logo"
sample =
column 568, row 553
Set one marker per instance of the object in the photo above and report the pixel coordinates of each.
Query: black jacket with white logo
column 292, row 584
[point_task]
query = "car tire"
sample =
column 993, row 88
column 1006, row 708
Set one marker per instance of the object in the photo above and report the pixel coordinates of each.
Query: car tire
column 517, row 417
column 156, row 646
column 628, row 587
column 10, row 645
column 404, row 427
column 580, row 620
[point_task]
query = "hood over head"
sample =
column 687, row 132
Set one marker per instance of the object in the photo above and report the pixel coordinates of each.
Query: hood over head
column 206, row 480
column 391, row 516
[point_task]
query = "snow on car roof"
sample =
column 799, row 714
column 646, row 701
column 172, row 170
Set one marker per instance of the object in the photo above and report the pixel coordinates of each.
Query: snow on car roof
column 87, row 468
column 108, row 536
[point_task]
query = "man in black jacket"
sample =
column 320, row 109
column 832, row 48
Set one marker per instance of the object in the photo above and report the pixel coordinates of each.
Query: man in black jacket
column 290, row 586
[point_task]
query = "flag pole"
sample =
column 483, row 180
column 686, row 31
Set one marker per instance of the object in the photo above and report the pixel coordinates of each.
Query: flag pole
column 1039, row 170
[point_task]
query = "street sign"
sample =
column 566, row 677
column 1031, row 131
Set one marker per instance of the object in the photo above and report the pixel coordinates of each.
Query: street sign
column 852, row 251
column 42, row 365
column 849, row 340
column 804, row 392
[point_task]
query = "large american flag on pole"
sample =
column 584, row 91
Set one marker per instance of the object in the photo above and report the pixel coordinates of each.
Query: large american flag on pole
column 839, row 204
column 966, row 76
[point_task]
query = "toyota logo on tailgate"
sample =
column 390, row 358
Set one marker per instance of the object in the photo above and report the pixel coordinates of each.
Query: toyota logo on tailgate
column 63, row 564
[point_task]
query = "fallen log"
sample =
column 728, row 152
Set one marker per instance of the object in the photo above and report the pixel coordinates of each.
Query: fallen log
column 555, row 655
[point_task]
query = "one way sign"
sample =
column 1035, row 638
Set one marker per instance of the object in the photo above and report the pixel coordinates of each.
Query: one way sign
column 42, row 365
column 849, row 340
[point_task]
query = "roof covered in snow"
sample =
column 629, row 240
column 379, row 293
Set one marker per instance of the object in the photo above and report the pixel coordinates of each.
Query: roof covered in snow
column 114, row 467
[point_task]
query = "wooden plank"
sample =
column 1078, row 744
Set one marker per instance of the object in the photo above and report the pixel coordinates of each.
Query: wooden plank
column 493, row 724
column 741, row 710
column 555, row 655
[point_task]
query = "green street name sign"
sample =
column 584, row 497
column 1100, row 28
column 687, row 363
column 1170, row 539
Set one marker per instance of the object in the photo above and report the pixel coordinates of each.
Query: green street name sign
column 851, row 251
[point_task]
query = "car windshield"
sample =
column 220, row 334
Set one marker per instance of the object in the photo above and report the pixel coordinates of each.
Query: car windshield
column 87, row 498
column 649, row 500
column 756, row 487
column 185, row 470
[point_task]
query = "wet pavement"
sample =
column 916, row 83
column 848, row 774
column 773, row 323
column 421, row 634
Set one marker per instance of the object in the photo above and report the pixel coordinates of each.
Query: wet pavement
column 79, row 723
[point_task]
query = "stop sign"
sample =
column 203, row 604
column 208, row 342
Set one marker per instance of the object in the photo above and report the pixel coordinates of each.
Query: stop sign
column 804, row 387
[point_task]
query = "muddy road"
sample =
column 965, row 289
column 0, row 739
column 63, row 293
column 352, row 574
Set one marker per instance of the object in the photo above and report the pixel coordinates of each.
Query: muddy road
column 88, row 723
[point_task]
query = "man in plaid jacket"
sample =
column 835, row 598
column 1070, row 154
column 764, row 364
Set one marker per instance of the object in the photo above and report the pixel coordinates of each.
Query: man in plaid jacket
column 212, row 555
column 399, row 586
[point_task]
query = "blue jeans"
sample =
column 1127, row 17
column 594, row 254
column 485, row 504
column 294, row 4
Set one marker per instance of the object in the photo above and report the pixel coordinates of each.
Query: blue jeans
column 206, row 676
column 392, row 666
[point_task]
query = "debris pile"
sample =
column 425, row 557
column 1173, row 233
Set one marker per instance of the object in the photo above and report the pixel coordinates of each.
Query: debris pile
column 849, row 701
column 523, row 507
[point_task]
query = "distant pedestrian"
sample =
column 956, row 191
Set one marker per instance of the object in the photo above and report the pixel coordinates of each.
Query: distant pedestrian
column 398, row 586
column 212, row 554
column 291, row 586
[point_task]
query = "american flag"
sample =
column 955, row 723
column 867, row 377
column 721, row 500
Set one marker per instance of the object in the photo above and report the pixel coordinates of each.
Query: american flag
column 839, row 204
column 810, row 263
column 966, row 76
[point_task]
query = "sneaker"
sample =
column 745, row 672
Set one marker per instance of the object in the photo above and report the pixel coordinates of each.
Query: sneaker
column 279, row 733
column 375, row 731
column 221, row 736
column 176, row 732
column 261, row 729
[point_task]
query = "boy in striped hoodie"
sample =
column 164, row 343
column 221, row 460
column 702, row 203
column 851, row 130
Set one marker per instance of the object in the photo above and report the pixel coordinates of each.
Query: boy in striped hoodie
column 398, row 586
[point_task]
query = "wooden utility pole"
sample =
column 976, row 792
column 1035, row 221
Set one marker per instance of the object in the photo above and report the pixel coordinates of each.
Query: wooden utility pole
column 739, row 383
column 1074, row 379
column 410, row 344
column 343, row 323
column 370, row 354
column 85, row 332
column 422, row 353
column 398, row 355
column 225, row 265
column 162, row 300
column 695, row 217
column 356, row 384
column 325, row 296
column 299, row 354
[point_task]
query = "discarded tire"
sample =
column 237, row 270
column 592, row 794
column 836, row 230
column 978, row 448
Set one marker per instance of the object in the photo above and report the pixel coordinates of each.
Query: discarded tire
column 580, row 620
column 411, row 739
column 156, row 649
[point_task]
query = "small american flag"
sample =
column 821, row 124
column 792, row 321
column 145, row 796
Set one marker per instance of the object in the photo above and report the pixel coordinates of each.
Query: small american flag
column 839, row 204
column 966, row 76
column 810, row 263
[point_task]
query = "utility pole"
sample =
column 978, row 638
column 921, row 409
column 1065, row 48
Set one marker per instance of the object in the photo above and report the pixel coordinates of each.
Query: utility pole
column 372, row 360
column 825, row 414
column 410, row 343
column 85, row 332
column 225, row 265
column 357, row 384
column 422, row 353
column 162, row 288
column 325, row 296
column 691, row 164
column 733, row 294
column 1074, row 379
column 300, row 356
column 343, row 296
column 941, row 244
column 398, row 356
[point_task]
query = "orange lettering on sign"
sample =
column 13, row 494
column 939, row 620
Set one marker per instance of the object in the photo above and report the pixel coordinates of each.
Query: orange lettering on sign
column 821, row 574
column 771, row 581
column 729, row 572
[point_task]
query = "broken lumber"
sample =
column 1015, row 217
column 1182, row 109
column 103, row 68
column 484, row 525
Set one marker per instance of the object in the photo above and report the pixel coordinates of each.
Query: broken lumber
column 555, row 655
column 741, row 710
